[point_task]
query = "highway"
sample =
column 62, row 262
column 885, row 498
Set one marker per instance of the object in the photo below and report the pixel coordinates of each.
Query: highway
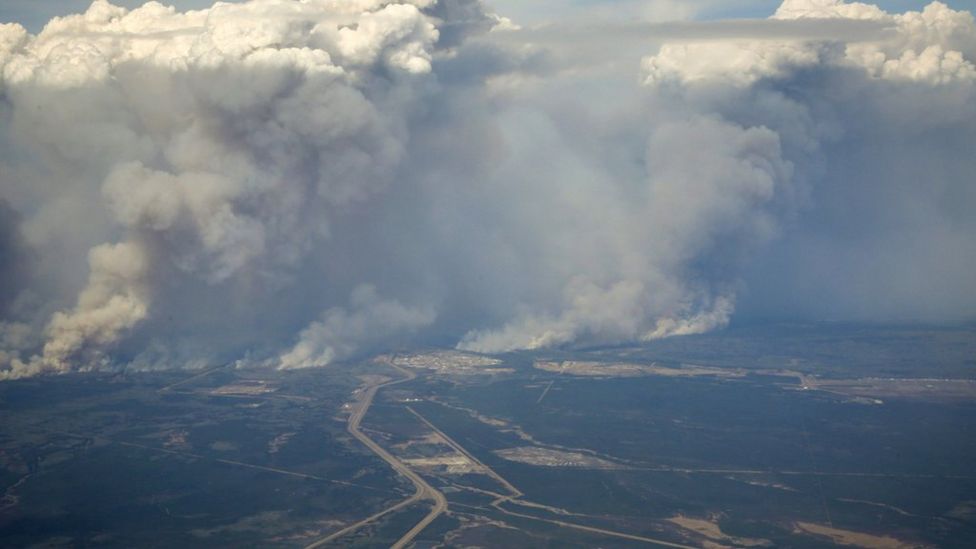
column 353, row 527
column 516, row 494
column 423, row 489
column 206, row 372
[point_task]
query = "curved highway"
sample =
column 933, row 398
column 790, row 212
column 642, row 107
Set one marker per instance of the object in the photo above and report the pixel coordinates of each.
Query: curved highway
column 423, row 489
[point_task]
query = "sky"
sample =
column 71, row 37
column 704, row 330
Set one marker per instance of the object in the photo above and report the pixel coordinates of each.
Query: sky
column 541, row 11
column 34, row 13
column 290, row 184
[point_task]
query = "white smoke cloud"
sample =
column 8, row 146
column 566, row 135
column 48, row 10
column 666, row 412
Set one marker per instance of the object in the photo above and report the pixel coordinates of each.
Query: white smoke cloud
column 932, row 46
column 113, row 302
column 220, row 139
column 876, row 127
column 344, row 332
column 201, row 186
column 708, row 187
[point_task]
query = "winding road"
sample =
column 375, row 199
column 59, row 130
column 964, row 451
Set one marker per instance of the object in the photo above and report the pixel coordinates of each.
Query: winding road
column 423, row 489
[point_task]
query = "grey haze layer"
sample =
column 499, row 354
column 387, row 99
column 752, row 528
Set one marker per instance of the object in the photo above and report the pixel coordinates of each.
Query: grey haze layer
column 291, row 183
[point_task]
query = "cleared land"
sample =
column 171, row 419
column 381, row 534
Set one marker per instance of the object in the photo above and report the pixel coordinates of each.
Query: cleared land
column 710, row 530
column 625, row 369
column 546, row 457
column 856, row 539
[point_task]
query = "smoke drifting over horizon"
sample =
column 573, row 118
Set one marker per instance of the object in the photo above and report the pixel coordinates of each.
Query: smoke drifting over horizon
column 290, row 183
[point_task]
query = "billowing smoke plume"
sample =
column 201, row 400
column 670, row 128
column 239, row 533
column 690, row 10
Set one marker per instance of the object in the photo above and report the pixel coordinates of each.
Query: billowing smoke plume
column 291, row 182
column 212, row 147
